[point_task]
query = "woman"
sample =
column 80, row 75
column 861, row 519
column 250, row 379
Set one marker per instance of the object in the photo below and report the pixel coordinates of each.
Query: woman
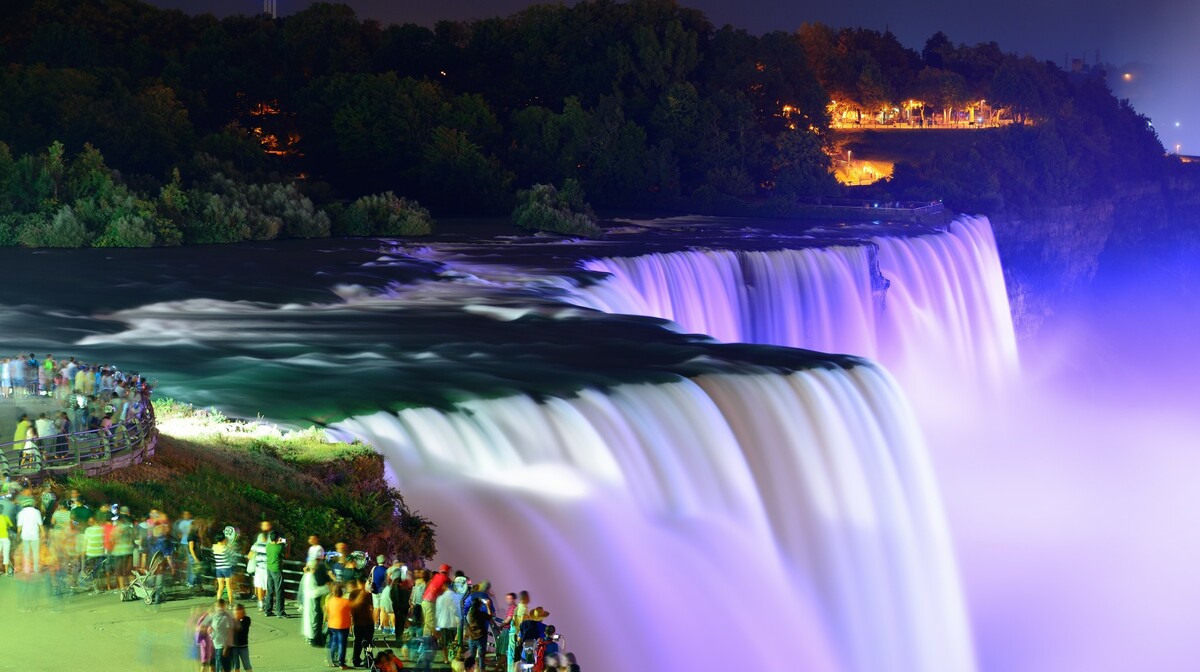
column 337, row 615
column 223, row 557
column 256, row 566
column 314, row 586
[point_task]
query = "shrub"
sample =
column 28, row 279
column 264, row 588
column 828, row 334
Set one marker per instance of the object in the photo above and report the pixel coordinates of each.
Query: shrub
column 383, row 214
column 545, row 208
column 63, row 230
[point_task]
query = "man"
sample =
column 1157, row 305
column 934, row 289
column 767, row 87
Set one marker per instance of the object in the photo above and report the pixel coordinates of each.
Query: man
column 220, row 628
column 45, row 430
column 29, row 529
column 436, row 586
column 361, row 619
column 510, row 608
column 378, row 585
column 316, row 552
column 274, row 565
column 93, row 548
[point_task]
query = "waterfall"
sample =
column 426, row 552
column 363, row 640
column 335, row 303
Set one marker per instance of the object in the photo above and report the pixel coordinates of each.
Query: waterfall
column 945, row 307
column 763, row 521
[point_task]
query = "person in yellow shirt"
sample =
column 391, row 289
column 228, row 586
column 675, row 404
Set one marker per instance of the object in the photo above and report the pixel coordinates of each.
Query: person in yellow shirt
column 5, row 544
column 22, row 427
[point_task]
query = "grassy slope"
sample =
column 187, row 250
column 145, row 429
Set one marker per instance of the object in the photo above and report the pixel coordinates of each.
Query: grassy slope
column 238, row 473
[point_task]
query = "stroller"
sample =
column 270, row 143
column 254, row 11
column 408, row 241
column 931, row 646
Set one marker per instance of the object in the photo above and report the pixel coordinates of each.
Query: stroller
column 147, row 583
column 382, row 661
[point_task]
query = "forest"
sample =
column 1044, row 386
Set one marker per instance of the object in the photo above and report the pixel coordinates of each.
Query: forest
column 127, row 125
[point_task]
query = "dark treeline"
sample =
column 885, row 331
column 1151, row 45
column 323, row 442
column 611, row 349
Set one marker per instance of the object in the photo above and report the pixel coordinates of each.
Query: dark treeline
column 247, row 127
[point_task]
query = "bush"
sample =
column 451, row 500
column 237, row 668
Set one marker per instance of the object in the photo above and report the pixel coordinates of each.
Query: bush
column 383, row 214
column 545, row 208
column 64, row 230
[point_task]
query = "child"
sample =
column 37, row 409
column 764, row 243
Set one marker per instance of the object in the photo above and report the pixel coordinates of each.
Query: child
column 239, row 657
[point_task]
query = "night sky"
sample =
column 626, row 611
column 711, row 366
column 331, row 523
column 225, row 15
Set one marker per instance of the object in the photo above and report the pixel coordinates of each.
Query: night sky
column 1152, row 39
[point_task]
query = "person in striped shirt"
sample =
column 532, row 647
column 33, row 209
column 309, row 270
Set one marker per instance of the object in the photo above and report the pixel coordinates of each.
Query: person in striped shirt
column 224, row 558
column 93, row 546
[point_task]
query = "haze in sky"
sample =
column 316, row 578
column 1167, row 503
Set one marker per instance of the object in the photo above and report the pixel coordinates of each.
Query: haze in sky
column 1153, row 40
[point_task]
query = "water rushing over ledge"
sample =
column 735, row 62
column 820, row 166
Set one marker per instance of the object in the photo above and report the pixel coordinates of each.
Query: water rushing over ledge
column 621, row 446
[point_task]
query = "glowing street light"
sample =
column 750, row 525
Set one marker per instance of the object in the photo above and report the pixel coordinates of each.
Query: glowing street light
column 1127, row 76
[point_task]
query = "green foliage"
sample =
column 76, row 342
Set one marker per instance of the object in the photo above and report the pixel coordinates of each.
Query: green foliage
column 63, row 230
column 645, row 103
column 545, row 208
column 383, row 215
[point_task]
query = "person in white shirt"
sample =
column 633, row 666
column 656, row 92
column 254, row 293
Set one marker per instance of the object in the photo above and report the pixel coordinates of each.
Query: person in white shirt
column 45, row 430
column 315, row 550
column 29, row 529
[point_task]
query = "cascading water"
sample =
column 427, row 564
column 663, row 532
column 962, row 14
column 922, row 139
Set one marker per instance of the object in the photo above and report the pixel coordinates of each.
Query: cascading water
column 701, row 524
column 766, row 509
column 945, row 309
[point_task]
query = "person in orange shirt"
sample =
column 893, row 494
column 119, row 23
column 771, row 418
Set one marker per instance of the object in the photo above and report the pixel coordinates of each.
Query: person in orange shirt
column 338, row 617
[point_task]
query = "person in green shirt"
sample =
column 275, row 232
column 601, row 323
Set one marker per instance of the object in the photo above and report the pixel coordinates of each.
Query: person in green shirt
column 274, row 603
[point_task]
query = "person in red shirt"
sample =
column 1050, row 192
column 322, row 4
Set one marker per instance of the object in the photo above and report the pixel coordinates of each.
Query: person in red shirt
column 436, row 586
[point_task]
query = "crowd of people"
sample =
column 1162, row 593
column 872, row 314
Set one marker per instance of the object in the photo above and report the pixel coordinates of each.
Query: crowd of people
column 89, row 396
column 347, row 605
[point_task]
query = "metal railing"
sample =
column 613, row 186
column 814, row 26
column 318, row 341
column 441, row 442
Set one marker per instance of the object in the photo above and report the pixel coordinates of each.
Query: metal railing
column 93, row 448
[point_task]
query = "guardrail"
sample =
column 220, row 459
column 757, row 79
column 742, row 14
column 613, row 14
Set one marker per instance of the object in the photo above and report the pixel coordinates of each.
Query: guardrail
column 94, row 452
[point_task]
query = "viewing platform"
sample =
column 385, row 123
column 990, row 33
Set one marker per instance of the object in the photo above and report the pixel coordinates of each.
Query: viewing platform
column 88, row 451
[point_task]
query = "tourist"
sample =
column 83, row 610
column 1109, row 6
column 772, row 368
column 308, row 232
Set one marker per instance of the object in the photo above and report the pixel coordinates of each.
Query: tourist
column 223, row 557
column 45, row 430
column 122, row 547
column 400, row 597
column 220, row 629
column 6, row 381
column 23, row 425
column 436, row 586
column 62, row 427
column 256, row 565
column 416, row 610
column 29, row 529
column 337, row 615
column 30, row 456
column 273, row 560
column 93, row 550
column 239, row 650
column 514, row 630
column 315, row 550
column 197, row 536
column 311, row 594
column 377, row 583
column 446, row 611
column 362, row 619
column 477, row 614
column 531, row 633
column 510, row 608
column 6, row 525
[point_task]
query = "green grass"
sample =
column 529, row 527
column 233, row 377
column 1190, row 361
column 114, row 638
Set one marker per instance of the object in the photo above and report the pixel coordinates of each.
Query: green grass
column 239, row 473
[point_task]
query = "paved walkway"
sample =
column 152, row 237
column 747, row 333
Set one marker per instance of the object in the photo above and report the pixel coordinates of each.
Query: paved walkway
column 99, row 632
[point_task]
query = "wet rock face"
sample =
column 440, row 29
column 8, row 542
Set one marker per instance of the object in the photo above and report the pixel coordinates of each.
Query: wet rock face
column 1048, row 257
